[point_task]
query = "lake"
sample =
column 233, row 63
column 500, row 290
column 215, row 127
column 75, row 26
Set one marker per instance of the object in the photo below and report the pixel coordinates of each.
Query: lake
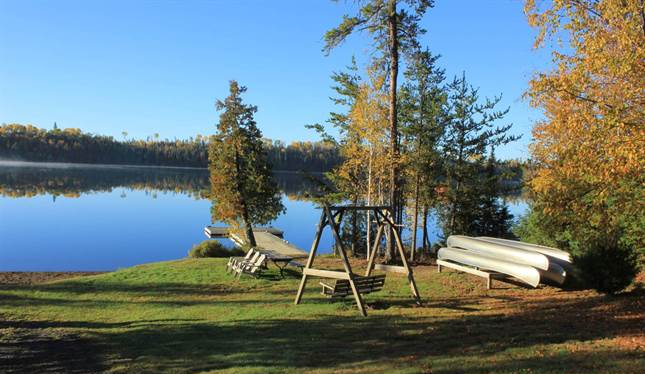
column 71, row 217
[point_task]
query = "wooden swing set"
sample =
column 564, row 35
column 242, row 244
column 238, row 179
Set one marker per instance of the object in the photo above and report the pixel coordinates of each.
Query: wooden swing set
column 332, row 216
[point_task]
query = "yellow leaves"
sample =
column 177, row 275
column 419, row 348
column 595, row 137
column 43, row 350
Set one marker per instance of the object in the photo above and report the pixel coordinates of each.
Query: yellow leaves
column 591, row 145
column 365, row 152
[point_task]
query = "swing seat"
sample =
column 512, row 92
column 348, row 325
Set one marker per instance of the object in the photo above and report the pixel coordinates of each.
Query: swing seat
column 364, row 285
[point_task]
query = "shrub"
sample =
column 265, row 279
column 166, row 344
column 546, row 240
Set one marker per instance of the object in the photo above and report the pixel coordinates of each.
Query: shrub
column 213, row 248
column 531, row 228
column 604, row 260
column 607, row 265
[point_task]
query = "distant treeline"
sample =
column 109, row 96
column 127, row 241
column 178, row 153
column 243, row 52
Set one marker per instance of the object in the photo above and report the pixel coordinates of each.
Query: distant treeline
column 30, row 143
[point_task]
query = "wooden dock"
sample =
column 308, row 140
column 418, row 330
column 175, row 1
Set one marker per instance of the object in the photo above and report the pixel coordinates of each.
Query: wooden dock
column 223, row 231
column 268, row 239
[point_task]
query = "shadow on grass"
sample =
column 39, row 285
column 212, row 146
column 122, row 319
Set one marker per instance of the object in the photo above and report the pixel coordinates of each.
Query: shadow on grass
column 328, row 341
column 146, row 289
column 331, row 340
column 32, row 351
column 597, row 361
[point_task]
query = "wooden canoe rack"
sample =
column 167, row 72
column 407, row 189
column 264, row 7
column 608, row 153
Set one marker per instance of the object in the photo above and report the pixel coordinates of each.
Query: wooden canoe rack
column 332, row 216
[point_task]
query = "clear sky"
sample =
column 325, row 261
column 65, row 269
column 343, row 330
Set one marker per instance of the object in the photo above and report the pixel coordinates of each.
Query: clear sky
column 148, row 67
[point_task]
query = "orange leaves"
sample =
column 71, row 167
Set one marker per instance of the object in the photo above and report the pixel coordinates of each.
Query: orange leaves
column 591, row 146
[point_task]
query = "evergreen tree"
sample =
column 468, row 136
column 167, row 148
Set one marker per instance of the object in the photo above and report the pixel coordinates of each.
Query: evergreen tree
column 242, row 185
column 471, row 130
column 346, row 86
column 493, row 216
column 423, row 115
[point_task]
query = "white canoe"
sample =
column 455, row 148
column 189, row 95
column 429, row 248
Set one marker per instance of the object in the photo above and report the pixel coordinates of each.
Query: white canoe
column 550, row 251
column 555, row 275
column 500, row 251
column 525, row 273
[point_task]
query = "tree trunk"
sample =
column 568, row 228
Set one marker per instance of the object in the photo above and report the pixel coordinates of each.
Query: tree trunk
column 354, row 228
column 413, row 249
column 250, row 237
column 394, row 132
column 453, row 210
column 458, row 177
column 424, row 223
column 369, row 201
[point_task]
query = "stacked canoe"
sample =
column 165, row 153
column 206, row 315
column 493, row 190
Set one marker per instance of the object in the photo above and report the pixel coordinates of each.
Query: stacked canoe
column 530, row 263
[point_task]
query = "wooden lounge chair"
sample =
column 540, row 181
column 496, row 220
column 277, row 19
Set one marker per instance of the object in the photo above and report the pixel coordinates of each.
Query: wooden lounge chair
column 253, row 268
column 342, row 288
column 237, row 265
column 232, row 261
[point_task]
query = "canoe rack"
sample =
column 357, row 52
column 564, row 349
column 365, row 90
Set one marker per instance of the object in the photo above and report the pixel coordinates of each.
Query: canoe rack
column 488, row 275
column 332, row 216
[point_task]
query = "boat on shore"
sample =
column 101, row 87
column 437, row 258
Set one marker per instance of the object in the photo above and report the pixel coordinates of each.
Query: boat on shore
column 555, row 275
column 525, row 273
column 549, row 251
column 500, row 251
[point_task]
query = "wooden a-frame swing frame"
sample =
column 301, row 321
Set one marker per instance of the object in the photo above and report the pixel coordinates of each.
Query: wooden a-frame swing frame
column 332, row 216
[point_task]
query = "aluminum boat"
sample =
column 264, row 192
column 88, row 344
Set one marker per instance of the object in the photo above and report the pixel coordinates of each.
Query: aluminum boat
column 524, row 273
column 500, row 251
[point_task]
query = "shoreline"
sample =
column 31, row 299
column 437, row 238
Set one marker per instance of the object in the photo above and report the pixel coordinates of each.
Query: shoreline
column 82, row 165
column 36, row 277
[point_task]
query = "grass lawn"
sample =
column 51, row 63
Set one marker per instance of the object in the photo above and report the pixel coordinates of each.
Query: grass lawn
column 188, row 316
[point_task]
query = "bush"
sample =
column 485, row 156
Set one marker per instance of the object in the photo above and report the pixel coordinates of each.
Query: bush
column 532, row 228
column 213, row 248
column 607, row 265
column 607, row 262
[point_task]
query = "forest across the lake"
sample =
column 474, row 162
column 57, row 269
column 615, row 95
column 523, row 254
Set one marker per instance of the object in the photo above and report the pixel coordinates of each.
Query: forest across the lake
column 71, row 145
column 31, row 143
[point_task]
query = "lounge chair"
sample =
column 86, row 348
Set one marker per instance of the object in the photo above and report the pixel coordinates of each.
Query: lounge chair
column 232, row 261
column 236, row 265
column 253, row 268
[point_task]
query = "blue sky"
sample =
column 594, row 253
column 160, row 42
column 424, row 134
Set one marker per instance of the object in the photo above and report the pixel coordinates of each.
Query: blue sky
column 150, row 67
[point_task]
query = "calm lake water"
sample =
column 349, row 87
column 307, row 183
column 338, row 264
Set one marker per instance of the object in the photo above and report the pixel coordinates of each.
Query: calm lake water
column 61, row 217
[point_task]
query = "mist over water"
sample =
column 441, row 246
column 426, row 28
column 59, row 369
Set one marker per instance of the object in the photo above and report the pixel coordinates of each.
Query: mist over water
column 66, row 165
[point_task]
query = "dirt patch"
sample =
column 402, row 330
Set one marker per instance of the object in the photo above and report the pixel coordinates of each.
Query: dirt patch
column 35, row 277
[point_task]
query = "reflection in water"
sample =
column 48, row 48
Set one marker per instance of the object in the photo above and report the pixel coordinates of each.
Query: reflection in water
column 83, row 217
column 57, row 217
column 73, row 180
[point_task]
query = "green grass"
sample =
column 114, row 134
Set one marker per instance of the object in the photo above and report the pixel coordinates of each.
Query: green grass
column 188, row 316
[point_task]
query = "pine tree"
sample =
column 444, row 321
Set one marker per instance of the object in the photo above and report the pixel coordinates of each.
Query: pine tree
column 423, row 115
column 493, row 217
column 470, row 132
column 242, row 185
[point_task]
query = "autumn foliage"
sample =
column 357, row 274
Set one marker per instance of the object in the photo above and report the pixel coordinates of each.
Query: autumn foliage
column 590, row 147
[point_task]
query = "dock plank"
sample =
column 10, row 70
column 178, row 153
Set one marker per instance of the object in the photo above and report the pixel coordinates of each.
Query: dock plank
column 270, row 242
column 224, row 231
column 268, row 239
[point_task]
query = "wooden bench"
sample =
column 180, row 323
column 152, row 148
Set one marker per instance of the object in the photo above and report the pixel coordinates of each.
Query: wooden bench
column 364, row 285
